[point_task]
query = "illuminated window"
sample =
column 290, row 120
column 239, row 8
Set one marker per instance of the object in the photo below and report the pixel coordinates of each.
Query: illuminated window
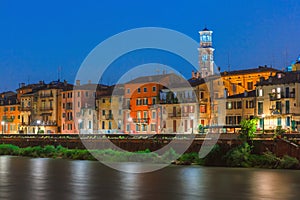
column 202, row 108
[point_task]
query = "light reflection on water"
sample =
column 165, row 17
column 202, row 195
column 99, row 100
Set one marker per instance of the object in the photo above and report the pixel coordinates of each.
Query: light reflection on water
column 25, row 178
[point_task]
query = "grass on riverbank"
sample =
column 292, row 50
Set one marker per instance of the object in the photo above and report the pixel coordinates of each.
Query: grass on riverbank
column 240, row 156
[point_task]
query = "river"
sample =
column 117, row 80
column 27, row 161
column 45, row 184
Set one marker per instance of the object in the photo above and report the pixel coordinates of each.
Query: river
column 42, row 178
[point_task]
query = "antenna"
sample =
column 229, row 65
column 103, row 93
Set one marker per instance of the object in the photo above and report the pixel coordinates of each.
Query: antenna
column 228, row 61
column 58, row 73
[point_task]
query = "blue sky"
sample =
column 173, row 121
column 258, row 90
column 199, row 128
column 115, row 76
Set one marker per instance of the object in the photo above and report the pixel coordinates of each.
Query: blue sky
column 37, row 37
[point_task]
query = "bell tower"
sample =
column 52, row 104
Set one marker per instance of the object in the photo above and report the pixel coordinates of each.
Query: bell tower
column 206, row 53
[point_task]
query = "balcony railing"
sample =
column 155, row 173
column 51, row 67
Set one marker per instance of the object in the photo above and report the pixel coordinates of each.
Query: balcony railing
column 46, row 95
column 174, row 115
column 46, row 109
column 109, row 117
column 25, row 108
column 141, row 120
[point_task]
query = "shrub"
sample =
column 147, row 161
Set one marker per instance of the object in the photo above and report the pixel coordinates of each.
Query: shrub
column 288, row 162
column 9, row 149
column 239, row 156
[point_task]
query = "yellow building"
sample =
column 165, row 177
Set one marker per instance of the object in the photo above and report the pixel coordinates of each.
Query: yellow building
column 110, row 112
column 9, row 112
column 278, row 101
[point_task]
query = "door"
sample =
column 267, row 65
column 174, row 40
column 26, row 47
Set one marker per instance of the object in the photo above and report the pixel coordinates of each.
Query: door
column 174, row 126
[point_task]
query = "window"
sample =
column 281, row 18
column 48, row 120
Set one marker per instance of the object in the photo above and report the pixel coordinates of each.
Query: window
column 78, row 104
column 202, row 108
column 90, row 111
column 260, row 92
column 153, row 127
column 90, row 124
column 78, row 94
column 109, row 125
column 154, row 100
column 153, row 114
column 64, row 95
column 250, row 85
column 63, row 115
column 137, row 127
column 103, row 112
column 145, row 114
column 127, row 127
column 138, row 114
column 239, row 105
column 64, row 105
column 260, row 107
column 288, row 121
column 139, row 90
column 145, row 89
column 192, row 110
column 287, row 107
column 144, row 127
column 228, row 105
column 279, row 121
column 103, row 100
column 278, row 106
column 128, row 90
column 201, row 95
column 103, row 125
column 153, row 89
column 145, row 101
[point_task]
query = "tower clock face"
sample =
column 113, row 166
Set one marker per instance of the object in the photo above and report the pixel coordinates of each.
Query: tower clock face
column 204, row 57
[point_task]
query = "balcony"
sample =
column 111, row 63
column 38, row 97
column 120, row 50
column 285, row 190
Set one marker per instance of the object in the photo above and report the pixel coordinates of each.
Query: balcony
column 174, row 115
column 25, row 108
column 109, row 117
column 42, row 109
column 46, row 95
column 141, row 120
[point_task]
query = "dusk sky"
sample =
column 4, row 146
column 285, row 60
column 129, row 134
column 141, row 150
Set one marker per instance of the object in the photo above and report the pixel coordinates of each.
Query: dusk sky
column 38, row 37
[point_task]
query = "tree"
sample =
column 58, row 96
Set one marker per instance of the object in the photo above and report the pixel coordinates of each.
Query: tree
column 248, row 128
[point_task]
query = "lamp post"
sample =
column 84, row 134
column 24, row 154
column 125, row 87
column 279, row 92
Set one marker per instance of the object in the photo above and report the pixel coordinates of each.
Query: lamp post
column 263, row 123
column 79, row 125
column 129, row 120
column 192, row 119
column 2, row 123
column 38, row 125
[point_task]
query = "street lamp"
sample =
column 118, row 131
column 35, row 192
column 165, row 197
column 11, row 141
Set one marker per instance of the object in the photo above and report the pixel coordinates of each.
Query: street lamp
column 192, row 119
column 263, row 123
column 38, row 124
column 129, row 120
column 2, row 123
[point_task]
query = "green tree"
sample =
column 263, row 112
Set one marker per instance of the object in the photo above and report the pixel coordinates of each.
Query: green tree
column 248, row 128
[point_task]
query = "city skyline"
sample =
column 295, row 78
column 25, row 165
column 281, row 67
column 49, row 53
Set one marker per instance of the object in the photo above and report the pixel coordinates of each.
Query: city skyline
column 50, row 41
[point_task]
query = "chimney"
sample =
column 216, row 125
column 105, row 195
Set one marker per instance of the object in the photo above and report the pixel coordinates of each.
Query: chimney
column 77, row 82
column 65, row 83
column 41, row 82
column 22, row 85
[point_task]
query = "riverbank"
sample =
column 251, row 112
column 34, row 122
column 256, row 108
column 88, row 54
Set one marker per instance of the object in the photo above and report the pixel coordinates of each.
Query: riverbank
column 240, row 156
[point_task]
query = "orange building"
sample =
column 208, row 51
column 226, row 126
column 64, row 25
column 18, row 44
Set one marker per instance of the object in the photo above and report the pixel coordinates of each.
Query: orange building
column 141, row 108
column 9, row 112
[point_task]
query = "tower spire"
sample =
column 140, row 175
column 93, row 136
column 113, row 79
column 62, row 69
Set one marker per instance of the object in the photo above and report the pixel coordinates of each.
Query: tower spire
column 206, row 53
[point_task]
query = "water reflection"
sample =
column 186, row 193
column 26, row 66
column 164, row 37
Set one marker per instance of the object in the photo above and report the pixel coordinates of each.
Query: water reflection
column 24, row 178
column 270, row 184
column 80, row 179
column 39, row 178
column 4, row 176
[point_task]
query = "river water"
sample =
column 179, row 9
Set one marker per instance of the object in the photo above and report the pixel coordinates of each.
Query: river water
column 26, row 178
